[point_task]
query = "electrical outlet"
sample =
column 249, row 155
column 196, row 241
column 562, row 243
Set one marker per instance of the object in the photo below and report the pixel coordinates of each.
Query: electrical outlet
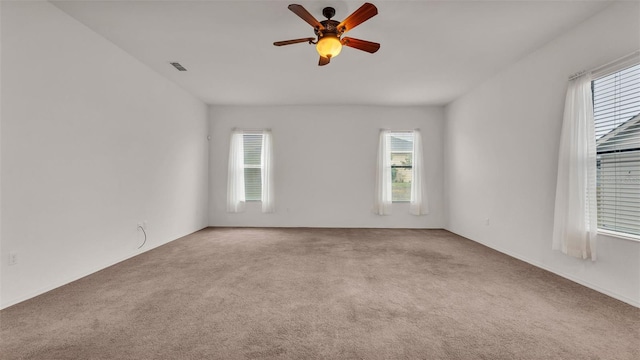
column 145, row 225
column 13, row 257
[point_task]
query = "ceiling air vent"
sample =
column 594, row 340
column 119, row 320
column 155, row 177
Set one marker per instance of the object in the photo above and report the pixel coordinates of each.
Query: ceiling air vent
column 178, row 66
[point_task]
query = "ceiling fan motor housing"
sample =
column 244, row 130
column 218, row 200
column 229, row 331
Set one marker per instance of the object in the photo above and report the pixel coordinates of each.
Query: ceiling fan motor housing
column 330, row 28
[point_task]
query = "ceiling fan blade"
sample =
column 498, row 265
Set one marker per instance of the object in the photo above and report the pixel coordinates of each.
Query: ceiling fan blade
column 294, row 41
column 364, row 13
column 323, row 61
column 363, row 45
column 304, row 15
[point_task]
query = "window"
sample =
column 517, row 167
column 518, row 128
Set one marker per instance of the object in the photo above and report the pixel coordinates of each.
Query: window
column 250, row 176
column 399, row 172
column 616, row 112
column 401, row 153
column 252, row 166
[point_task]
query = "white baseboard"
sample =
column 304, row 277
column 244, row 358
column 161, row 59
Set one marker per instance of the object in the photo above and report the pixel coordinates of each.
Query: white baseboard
column 613, row 294
column 600, row 289
column 71, row 279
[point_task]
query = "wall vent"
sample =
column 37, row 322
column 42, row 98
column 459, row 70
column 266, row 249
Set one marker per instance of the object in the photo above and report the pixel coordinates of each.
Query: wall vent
column 178, row 66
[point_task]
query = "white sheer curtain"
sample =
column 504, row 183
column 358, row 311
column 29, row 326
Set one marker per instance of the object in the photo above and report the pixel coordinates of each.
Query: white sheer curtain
column 419, row 204
column 383, row 175
column 267, row 172
column 235, row 180
column 575, row 217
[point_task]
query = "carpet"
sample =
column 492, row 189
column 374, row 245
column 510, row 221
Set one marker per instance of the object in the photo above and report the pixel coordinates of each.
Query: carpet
column 272, row 293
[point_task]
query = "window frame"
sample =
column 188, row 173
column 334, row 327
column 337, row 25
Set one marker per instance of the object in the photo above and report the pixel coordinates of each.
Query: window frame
column 391, row 152
column 252, row 166
column 618, row 66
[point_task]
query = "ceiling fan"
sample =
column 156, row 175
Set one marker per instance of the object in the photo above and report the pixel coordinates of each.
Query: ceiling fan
column 329, row 32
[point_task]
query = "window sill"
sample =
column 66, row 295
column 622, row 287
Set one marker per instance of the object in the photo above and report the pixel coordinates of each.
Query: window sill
column 619, row 235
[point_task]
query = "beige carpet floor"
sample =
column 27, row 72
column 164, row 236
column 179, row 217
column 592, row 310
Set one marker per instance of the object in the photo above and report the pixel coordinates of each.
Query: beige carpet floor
column 227, row 293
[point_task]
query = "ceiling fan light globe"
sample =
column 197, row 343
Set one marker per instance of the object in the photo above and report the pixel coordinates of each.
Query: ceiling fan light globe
column 329, row 46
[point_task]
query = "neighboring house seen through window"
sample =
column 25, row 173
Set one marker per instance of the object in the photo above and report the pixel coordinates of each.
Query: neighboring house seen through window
column 616, row 112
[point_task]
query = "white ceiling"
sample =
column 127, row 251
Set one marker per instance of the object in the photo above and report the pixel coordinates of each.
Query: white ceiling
column 432, row 51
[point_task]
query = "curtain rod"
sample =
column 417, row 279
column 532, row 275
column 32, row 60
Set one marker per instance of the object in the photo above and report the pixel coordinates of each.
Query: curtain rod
column 241, row 129
column 620, row 60
column 386, row 129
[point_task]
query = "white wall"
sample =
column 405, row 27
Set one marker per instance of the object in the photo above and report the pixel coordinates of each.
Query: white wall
column 325, row 159
column 501, row 153
column 92, row 142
